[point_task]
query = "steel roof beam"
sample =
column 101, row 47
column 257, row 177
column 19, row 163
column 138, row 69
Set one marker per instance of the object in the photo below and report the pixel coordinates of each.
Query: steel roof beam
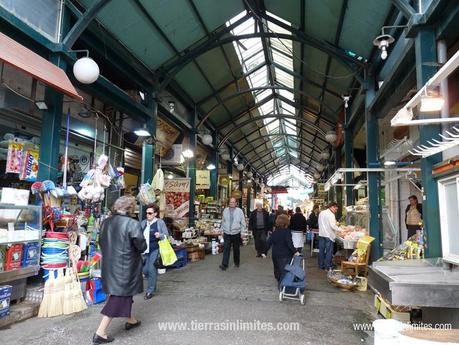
column 168, row 73
column 404, row 7
column 327, row 69
column 302, row 28
column 83, row 22
column 276, row 116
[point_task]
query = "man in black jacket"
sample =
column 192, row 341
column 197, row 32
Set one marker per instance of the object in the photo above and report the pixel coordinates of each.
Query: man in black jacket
column 298, row 226
column 259, row 224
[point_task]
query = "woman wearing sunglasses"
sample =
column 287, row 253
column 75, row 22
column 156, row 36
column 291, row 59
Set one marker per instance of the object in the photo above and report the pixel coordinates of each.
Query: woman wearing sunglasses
column 154, row 230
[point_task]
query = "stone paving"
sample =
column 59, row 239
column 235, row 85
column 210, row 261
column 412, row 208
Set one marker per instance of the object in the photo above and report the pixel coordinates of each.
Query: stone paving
column 201, row 293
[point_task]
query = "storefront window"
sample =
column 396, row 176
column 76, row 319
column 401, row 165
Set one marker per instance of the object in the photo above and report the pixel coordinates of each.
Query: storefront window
column 449, row 211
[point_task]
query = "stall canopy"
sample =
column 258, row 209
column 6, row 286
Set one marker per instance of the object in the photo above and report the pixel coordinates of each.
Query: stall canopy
column 33, row 64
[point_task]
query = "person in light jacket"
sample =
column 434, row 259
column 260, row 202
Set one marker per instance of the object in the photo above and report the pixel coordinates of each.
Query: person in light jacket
column 233, row 223
column 327, row 234
column 122, row 244
column 154, row 229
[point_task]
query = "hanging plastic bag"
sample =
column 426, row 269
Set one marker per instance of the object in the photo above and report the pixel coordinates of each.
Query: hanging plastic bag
column 146, row 194
column 167, row 253
column 158, row 181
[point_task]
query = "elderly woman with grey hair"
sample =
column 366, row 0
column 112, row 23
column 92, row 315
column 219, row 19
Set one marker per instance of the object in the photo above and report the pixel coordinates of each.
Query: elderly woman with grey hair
column 122, row 243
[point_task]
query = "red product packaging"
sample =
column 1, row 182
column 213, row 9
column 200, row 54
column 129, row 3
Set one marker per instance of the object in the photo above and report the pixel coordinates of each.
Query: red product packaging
column 13, row 257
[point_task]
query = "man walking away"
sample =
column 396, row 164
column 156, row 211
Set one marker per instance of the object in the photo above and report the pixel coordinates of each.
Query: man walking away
column 259, row 224
column 298, row 227
column 327, row 235
column 233, row 223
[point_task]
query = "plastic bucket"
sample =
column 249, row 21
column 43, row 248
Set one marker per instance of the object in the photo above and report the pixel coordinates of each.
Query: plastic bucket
column 387, row 331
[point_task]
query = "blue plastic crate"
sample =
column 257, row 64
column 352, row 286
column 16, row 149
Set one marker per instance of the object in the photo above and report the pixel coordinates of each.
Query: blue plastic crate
column 181, row 253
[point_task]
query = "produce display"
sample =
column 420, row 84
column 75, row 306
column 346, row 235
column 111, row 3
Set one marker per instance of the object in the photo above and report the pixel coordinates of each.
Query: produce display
column 338, row 279
column 413, row 248
column 352, row 233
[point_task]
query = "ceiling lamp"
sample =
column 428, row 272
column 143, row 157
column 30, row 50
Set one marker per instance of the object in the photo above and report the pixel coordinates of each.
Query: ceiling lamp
column 431, row 104
column 188, row 153
column 225, row 156
column 330, row 137
column 324, row 155
column 383, row 42
column 142, row 132
column 86, row 70
column 170, row 176
column 240, row 167
column 211, row 166
column 250, row 174
column 207, row 139
column 390, row 163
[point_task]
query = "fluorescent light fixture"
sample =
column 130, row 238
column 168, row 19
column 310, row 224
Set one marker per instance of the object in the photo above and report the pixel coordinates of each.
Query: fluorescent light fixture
column 390, row 163
column 170, row 176
column 211, row 166
column 142, row 95
column 41, row 105
column 85, row 132
column 142, row 132
column 249, row 181
column 188, row 153
column 431, row 104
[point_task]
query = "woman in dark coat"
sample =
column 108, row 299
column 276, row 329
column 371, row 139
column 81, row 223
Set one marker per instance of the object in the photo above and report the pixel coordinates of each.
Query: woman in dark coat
column 283, row 249
column 122, row 243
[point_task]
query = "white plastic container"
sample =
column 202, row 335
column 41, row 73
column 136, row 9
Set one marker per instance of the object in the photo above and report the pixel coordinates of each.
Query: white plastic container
column 387, row 331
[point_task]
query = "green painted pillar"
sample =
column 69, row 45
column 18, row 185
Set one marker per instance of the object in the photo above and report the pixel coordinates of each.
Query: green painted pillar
column 241, row 186
column 249, row 198
column 371, row 123
column 214, row 172
column 148, row 147
column 192, row 170
column 339, row 189
column 426, row 57
column 51, row 129
column 229, row 171
column 348, row 153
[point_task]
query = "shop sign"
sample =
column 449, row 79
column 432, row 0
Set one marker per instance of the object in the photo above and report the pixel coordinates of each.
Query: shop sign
column 177, row 193
column 202, row 179
column 166, row 135
column 177, row 185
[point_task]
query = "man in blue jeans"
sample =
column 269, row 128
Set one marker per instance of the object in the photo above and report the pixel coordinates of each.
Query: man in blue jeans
column 327, row 235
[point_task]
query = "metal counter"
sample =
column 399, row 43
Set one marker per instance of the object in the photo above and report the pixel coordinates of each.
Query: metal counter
column 421, row 283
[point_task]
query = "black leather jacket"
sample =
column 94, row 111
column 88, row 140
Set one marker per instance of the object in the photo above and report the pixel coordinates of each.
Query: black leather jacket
column 122, row 243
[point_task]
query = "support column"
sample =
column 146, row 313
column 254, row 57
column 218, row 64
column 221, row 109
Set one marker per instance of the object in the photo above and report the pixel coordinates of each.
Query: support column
column 426, row 56
column 372, row 162
column 338, row 189
column 214, row 173
column 229, row 171
column 192, row 169
column 348, row 153
column 148, row 147
column 241, row 186
column 51, row 129
column 249, row 198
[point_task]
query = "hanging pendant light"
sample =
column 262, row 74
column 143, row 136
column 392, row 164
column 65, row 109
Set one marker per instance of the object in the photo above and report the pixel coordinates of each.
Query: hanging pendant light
column 86, row 70
column 207, row 139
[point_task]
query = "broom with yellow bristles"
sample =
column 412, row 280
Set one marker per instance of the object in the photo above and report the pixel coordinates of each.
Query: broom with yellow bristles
column 47, row 296
column 57, row 300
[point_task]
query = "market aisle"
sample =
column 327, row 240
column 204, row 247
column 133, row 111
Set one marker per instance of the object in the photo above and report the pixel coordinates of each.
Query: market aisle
column 201, row 292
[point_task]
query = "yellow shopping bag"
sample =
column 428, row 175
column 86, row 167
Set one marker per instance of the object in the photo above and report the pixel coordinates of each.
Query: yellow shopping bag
column 167, row 253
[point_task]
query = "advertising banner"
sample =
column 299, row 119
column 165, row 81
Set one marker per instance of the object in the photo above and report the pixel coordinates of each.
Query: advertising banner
column 177, row 197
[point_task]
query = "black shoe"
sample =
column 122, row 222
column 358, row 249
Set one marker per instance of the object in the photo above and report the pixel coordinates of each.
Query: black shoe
column 148, row 296
column 237, row 265
column 223, row 268
column 129, row 326
column 258, row 255
column 96, row 339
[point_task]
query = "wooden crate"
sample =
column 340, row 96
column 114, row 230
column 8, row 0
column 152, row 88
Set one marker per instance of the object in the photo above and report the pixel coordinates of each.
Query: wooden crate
column 390, row 311
column 196, row 254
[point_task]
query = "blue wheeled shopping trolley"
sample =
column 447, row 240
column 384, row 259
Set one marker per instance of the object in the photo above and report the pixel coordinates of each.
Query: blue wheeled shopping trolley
column 293, row 283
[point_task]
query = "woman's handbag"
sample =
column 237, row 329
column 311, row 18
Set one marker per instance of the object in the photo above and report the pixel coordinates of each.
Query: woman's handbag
column 167, row 253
